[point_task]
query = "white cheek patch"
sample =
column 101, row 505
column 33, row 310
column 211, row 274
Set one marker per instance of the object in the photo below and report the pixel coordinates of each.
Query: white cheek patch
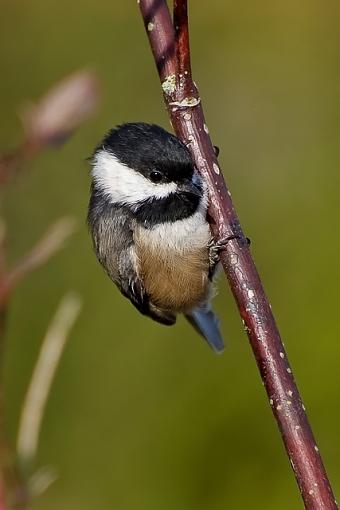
column 123, row 184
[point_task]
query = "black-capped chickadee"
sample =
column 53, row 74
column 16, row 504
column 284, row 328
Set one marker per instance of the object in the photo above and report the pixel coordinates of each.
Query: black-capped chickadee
column 147, row 215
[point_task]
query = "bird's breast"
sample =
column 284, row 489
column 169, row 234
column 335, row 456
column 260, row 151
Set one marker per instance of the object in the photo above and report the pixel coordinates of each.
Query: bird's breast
column 174, row 263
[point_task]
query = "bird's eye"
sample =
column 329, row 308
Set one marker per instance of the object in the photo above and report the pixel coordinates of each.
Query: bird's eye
column 156, row 176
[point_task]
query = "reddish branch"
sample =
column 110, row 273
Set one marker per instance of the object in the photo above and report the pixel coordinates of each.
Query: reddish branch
column 170, row 46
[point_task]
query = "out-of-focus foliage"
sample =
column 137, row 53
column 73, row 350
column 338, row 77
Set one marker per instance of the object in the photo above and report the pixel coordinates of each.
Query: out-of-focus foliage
column 144, row 416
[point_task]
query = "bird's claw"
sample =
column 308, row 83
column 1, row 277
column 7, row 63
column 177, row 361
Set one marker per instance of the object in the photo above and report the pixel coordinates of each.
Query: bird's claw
column 215, row 248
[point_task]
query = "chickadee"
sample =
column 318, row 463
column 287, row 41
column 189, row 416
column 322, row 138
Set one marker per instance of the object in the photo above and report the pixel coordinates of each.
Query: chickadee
column 147, row 216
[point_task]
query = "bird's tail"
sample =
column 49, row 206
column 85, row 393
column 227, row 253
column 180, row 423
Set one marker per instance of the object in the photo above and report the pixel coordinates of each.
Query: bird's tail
column 206, row 324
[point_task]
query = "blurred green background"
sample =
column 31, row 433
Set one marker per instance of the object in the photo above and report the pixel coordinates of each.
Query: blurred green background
column 143, row 416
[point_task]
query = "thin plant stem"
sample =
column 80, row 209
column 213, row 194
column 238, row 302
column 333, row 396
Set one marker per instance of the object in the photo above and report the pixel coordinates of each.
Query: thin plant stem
column 49, row 244
column 43, row 375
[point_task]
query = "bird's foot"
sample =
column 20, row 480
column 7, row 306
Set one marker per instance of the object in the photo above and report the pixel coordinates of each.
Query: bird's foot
column 215, row 248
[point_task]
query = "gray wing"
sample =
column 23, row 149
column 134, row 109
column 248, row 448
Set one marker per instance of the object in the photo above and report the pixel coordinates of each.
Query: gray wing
column 112, row 233
column 112, row 229
column 206, row 324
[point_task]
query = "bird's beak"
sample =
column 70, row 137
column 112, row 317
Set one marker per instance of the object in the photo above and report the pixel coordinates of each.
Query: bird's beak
column 188, row 186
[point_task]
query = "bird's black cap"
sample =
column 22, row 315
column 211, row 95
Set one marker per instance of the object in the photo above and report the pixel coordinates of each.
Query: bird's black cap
column 145, row 147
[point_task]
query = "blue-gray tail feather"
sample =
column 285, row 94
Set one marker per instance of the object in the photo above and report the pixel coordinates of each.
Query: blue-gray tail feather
column 206, row 324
